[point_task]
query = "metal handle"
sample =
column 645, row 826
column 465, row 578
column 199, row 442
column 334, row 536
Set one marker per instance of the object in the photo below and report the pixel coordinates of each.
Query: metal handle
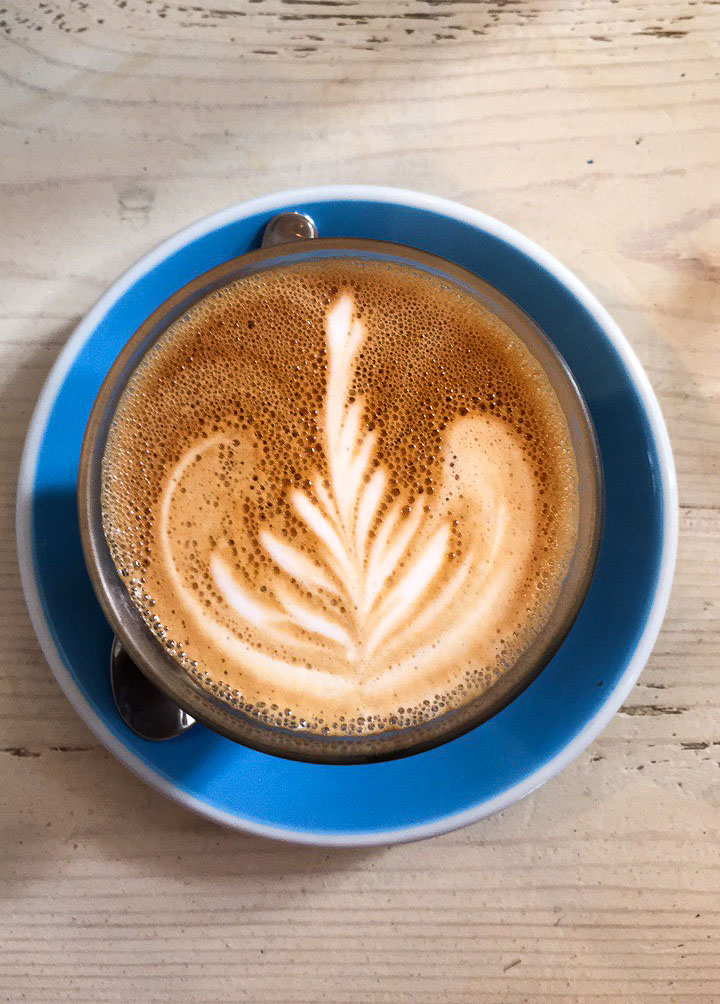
column 288, row 227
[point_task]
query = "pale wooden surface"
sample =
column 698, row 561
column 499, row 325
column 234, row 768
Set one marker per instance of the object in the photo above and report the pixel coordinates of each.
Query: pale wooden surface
column 592, row 126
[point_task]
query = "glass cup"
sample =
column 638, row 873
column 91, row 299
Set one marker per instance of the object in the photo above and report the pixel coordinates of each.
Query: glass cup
column 289, row 240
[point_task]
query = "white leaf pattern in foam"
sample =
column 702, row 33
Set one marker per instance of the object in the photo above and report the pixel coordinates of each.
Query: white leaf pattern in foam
column 368, row 591
column 409, row 588
column 297, row 565
column 353, row 564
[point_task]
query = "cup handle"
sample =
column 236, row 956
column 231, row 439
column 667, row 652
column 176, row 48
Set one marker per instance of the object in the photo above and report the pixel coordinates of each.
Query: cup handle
column 288, row 227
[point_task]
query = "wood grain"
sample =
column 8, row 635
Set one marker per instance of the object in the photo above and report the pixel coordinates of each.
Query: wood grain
column 593, row 127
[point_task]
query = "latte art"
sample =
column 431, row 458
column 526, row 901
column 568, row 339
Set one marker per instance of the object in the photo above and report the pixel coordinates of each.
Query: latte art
column 371, row 583
column 368, row 552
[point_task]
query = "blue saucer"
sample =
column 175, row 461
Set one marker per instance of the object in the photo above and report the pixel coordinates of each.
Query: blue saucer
column 538, row 733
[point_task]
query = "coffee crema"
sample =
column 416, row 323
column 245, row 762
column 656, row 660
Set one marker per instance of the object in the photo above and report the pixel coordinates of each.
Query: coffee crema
column 342, row 494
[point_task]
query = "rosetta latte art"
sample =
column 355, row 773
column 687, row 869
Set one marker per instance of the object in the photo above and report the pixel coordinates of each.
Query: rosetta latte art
column 388, row 573
column 341, row 495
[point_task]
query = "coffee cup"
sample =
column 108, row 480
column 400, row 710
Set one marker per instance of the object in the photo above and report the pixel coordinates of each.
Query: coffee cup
column 204, row 694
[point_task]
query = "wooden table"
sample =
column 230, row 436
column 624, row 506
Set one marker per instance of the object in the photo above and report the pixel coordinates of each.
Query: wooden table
column 591, row 126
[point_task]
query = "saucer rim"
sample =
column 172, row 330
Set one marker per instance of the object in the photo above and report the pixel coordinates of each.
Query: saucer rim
column 412, row 200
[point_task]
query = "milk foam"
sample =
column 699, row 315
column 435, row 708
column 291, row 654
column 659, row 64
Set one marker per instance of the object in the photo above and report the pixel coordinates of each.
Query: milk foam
column 365, row 597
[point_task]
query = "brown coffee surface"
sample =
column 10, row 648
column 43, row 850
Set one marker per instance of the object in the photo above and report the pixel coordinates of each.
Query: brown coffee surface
column 342, row 494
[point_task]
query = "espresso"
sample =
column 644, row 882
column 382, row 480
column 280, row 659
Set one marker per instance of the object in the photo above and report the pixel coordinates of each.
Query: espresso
column 342, row 494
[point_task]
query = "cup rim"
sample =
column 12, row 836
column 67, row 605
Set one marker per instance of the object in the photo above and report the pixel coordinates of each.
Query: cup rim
column 208, row 705
column 411, row 200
